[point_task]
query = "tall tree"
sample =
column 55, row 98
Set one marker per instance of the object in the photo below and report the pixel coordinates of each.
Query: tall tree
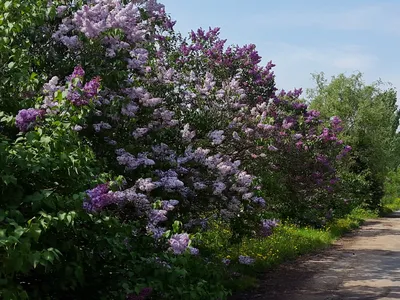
column 370, row 119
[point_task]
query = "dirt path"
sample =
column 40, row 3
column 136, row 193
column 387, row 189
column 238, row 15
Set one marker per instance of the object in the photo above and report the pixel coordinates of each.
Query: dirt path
column 363, row 265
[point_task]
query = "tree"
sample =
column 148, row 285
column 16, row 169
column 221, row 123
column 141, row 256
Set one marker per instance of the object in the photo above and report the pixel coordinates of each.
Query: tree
column 370, row 119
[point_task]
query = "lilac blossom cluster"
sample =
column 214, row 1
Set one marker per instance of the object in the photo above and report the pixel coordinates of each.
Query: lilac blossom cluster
column 246, row 260
column 98, row 198
column 268, row 226
column 143, row 294
column 26, row 118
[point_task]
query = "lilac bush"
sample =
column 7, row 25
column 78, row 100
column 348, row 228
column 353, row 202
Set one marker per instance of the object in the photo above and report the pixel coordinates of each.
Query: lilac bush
column 195, row 130
column 163, row 163
column 188, row 119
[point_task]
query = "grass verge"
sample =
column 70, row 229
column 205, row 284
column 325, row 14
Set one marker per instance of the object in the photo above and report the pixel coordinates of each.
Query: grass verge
column 287, row 243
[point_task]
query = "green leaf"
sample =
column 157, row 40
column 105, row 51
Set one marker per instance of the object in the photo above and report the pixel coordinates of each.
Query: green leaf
column 36, row 258
column 79, row 274
column 45, row 139
column 38, row 196
column 61, row 216
column 18, row 232
column 7, row 179
column 69, row 218
column 7, row 4
column 48, row 256
column 30, row 136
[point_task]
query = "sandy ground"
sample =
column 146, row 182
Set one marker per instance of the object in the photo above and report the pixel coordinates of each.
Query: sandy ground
column 363, row 265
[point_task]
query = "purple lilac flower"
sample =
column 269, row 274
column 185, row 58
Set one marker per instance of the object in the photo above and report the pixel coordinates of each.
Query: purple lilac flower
column 286, row 124
column 219, row 187
column 171, row 182
column 246, row 260
column 158, row 215
column 258, row 200
column 78, row 72
column 139, row 132
column 98, row 198
column 169, row 205
column 77, row 128
column 144, row 293
column 179, row 242
column 92, row 87
column 187, row 135
column 194, row 251
column 272, row 148
column 61, row 9
column 217, row 136
column 146, row 184
column 267, row 227
column 26, row 118
column 344, row 152
column 76, row 98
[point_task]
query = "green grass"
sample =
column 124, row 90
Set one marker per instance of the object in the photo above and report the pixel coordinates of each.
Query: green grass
column 290, row 241
column 391, row 205
column 287, row 243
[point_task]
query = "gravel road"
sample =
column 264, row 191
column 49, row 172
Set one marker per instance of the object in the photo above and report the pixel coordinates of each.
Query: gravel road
column 363, row 265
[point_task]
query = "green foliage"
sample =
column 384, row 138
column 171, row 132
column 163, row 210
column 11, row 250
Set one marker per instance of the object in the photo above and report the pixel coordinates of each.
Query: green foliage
column 28, row 55
column 391, row 200
column 50, row 248
column 370, row 118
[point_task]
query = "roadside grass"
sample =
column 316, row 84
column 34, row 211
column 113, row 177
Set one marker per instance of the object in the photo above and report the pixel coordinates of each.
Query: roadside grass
column 287, row 243
column 390, row 205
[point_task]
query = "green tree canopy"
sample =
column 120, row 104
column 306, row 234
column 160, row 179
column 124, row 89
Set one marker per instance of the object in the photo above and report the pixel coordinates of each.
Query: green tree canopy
column 370, row 119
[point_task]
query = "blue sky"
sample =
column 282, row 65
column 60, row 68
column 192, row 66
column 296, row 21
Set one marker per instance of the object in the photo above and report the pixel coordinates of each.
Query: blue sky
column 303, row 37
